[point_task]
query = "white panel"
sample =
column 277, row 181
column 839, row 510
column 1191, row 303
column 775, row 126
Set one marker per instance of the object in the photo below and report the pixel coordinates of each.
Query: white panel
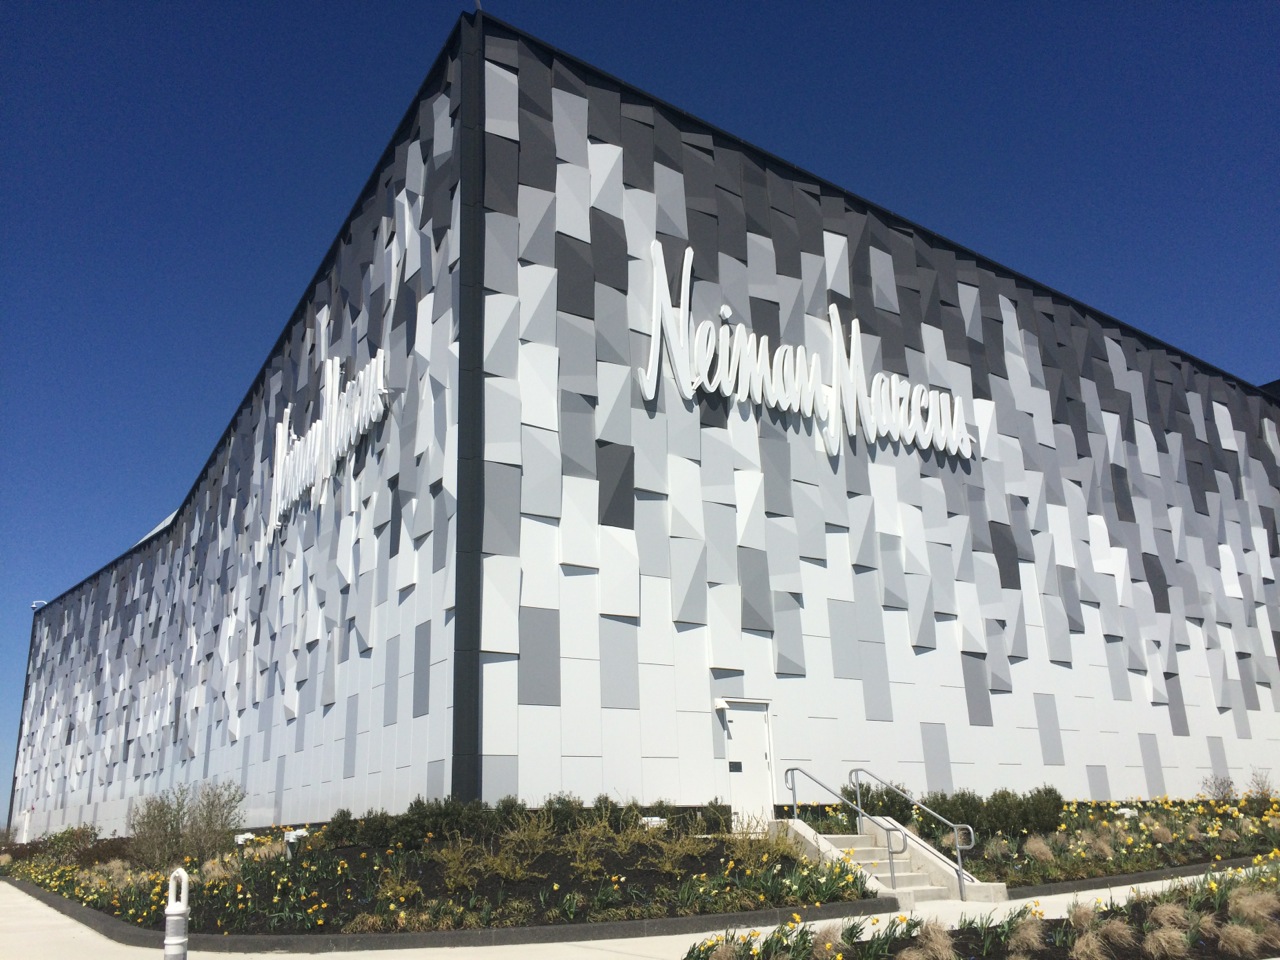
column 499, row 729
column 583, row 776
column 619, row 573
column 620, row 750
column 696, row 764
column 539, row 385
column 539, row 563
column 658, row 708
column 657, row 632
column 580, row 617
column 573, row 192
column 537, row 299
column 502, row 420
column 606, row 177
column 661, row 779
column 724, row 625
column 500, row 601
column 578, row 522
column 579, row 733
column 539, row 770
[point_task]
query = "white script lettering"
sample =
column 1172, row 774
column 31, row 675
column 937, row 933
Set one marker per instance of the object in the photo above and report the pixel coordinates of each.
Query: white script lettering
column 302, row 464
column 717, row 357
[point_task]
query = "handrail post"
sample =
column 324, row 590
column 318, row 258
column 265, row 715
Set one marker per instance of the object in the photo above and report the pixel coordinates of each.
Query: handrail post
column 857, row 793
column 175, row 917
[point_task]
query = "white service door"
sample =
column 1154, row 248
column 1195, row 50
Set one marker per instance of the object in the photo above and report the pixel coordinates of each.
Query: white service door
column 750, row 766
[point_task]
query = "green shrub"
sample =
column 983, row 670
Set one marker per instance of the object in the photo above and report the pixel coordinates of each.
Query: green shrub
column 376, row 829
column 69, row 845
column 1041, row 810
column 963, row 806
column 566, row 812
column 508, row 812
column 1001, row 813
column 883, row 802
column 341, row 830
column 717, row 817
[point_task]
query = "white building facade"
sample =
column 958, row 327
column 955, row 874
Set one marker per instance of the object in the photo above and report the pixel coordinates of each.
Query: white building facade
column 608, row 454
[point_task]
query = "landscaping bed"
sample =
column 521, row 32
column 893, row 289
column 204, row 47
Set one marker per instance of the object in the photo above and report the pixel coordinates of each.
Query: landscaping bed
column 564, row 864
column 1226, row 916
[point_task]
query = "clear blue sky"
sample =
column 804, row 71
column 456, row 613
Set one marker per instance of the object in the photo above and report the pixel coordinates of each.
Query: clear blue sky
column 171, row 175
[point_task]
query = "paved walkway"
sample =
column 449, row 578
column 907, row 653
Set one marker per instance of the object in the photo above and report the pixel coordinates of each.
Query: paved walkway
column 33, row 931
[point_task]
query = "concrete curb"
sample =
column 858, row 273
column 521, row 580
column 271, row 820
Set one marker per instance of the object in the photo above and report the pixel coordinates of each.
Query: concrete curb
column 121, row 932
column 1126, row 879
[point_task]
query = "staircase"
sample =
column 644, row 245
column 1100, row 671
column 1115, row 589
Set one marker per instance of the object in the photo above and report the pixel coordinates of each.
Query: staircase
column 894, row 860
column 906, row 883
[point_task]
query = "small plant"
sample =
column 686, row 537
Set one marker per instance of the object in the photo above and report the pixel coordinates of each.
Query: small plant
column 1260, row 785
column 1218, row 787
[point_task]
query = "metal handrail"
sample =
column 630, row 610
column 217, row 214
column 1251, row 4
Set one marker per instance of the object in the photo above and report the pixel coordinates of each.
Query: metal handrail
column 789, row 780
column 855, row 781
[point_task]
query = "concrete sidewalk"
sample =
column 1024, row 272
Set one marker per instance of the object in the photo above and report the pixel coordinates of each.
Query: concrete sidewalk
column 33, row 931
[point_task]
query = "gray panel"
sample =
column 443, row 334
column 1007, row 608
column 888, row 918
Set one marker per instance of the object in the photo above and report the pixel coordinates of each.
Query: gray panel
column 844, row 646
column 757, row 594
column 539, row 668
column 499, row 776
column 1050, row 733
column 788, row 644
column 937, row 757
column 501, row 509
column 1099, row 782
column 977, row 694
column 422, row 669
column 874, row 664
column 1150, row 749
column 349, row 738
column 540, row 489
column 1177, row 706
column 619, row 664
column 391, row 682
column 1218, row 757
column 278, row 806
column 435, row 779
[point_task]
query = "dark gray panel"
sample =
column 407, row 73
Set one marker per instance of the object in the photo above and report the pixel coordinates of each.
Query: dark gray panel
column 615, row 466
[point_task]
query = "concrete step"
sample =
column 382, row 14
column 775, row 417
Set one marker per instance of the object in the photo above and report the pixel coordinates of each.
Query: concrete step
column 903, row 879
column 929, row 893
column 866, row 855
column 851, row 841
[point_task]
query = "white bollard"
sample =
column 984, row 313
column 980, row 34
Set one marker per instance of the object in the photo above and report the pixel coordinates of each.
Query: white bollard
column 291, row 838
column 175, row 917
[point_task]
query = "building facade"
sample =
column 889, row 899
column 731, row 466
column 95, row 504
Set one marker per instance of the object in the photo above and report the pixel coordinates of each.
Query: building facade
column 606, row 453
